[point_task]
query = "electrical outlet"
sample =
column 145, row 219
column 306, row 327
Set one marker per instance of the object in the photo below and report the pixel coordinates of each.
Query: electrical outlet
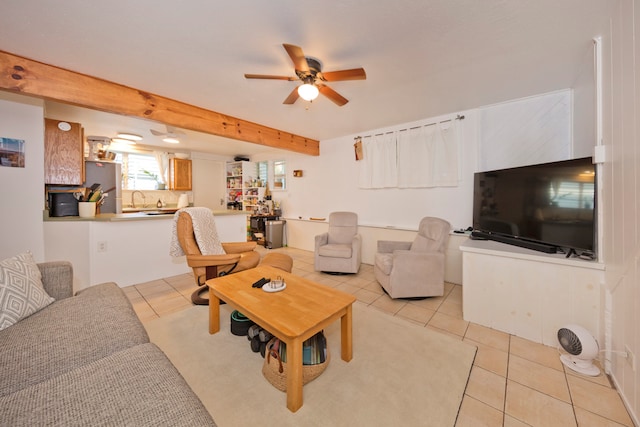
column 102, row 246
column 631, row 358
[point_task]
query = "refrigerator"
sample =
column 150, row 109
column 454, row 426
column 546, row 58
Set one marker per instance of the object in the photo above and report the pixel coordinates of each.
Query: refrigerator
column 108, row 175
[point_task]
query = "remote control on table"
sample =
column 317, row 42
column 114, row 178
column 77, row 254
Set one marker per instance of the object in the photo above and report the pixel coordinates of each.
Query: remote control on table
column 260, row 283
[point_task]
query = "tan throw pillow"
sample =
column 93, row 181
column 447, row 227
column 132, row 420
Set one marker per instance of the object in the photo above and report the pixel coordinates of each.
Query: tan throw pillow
column 21, row 289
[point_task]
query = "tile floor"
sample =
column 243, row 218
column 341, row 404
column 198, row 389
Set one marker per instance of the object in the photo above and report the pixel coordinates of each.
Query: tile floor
column 514, row 382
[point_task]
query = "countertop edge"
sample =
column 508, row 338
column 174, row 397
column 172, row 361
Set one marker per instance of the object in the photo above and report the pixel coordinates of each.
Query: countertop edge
column 130, row 216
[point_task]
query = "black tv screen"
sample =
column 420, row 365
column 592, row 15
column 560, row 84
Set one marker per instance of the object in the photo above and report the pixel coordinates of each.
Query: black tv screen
column 549, row 207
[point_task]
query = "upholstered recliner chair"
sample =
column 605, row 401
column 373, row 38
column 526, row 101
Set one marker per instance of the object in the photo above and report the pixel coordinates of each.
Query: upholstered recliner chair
column 340, row 249
column 414, row 269
column 218, row 258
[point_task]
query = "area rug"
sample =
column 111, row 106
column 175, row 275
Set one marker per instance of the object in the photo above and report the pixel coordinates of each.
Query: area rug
column 400, row 374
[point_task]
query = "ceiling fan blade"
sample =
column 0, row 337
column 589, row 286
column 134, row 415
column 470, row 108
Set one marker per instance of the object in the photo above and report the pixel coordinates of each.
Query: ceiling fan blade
column 293, row 97
column 171, row 132
column 174, row 131
column 264, row 76
column 353, row 74
column 338, row 99
column 297, row 56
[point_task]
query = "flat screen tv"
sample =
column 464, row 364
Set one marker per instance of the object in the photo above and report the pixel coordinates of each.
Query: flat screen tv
column 548, row 207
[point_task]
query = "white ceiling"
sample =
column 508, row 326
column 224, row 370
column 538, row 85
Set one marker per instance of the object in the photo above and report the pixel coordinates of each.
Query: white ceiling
column 423, row 58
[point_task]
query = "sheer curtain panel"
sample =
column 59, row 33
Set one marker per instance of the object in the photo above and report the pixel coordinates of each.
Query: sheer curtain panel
column 163, row 165
column 420, row 157
column 379, row 167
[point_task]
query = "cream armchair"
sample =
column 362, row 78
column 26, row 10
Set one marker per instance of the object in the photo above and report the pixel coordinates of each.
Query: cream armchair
column 414, row 269
column 340, row 249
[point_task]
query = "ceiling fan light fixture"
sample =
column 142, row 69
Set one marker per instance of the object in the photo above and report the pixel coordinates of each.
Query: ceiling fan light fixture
column 308, row 92
column 171, row 140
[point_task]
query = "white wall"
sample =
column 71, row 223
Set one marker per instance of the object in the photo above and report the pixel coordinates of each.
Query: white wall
column 22, row 189
column 330, row 183
column 525, row 131
column 621, row 196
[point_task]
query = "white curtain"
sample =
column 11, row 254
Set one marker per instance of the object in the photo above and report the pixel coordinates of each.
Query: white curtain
column 428, row 156
column 163, row 165
column 420, row 157
column 414, row 153
column 445, row 146
column 379, row 166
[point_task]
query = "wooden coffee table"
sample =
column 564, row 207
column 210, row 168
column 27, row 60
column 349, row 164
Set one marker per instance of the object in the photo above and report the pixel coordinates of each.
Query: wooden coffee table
column 294, row 314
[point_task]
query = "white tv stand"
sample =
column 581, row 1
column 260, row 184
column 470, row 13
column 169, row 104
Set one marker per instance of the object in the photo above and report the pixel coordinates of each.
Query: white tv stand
column 527, row 293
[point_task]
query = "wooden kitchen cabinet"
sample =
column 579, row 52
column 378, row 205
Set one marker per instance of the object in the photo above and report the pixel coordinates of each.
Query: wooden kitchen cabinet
column 63, row 153
column 180, row 176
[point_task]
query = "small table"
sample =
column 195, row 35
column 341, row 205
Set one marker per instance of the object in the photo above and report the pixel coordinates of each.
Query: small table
column 294, row 315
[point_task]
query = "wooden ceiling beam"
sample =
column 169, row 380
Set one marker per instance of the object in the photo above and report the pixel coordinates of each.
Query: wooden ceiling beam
column 28, row 77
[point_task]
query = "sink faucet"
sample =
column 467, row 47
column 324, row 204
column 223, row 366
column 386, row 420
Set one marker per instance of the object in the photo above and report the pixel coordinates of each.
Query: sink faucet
column 144, row 201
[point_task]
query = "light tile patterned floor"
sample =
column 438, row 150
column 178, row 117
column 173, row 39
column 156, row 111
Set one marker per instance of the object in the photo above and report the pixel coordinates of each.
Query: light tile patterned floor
column 514, row 382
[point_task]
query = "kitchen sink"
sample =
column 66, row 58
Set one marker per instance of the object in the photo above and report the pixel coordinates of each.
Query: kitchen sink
column 165, row 212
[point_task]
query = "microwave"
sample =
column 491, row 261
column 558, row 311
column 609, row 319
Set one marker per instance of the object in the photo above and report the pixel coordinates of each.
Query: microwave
column 62, row 204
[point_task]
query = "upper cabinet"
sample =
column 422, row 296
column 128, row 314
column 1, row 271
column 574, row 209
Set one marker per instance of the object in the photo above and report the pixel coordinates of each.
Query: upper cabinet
column 180, row 171
column 63, row 153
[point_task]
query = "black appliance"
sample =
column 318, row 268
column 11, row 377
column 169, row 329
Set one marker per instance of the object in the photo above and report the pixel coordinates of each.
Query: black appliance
column 548, row 207
column 62, row 204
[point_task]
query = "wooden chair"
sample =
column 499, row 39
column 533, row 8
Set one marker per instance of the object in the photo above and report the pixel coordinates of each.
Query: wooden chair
column 238, row 256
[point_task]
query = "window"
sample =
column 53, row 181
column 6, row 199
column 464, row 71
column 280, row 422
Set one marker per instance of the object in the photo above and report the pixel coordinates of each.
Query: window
column 139, row 171
column 279, row 175
column 262, row 171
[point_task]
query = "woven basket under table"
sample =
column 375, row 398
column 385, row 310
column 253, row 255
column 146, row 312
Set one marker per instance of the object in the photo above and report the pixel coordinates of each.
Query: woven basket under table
column 271, row 369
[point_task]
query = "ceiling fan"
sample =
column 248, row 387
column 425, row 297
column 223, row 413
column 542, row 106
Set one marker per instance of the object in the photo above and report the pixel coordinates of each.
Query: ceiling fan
column 309, row 71
column 172, row 134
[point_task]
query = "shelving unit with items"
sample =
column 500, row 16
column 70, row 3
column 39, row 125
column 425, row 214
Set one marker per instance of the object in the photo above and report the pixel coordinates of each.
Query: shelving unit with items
column 252, row 195
column 244, row 189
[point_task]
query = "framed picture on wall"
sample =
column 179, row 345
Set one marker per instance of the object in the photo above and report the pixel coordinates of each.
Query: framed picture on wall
column 12, row 152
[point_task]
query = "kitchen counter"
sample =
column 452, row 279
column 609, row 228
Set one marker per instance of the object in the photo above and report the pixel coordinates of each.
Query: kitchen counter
column 126, row 248
column 140, row 215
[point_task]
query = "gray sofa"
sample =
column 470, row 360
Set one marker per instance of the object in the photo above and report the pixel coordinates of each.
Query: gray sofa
column 87, row 360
